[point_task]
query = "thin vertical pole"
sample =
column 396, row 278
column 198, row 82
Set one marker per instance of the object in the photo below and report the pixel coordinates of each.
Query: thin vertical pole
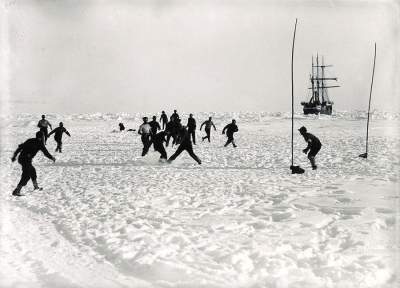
column 369, row 103
column 294, row 37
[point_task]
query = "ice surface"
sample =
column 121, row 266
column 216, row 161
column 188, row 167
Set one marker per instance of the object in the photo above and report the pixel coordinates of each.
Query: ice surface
column 109, row 218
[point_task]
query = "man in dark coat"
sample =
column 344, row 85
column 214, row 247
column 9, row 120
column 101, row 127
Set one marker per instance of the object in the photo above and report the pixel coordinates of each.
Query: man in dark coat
column 158, row 144
column 27, row 152
column 185, row 144
column 313, row 147
column 191, row 125
column 173, row 128
column 155, row 126
column 58, row 135
column 174, row 116
column 230, row 129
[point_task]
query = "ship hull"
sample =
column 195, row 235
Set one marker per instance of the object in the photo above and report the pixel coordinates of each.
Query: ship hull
column 317, row 109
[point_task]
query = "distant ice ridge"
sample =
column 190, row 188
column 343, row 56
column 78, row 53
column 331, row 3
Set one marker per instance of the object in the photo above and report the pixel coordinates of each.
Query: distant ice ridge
column 24, row 120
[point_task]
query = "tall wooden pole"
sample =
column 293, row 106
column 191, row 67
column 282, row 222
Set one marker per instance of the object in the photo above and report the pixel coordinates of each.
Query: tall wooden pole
column 294, row 37
column 369, row 103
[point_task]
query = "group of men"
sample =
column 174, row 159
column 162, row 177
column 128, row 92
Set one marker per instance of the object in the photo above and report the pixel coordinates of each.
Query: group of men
column 28, row 150
column 152, row 133
column 43, row 125
column 185, row 136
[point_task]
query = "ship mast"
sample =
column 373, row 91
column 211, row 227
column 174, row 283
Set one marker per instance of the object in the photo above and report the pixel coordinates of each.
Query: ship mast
column 317, row 94
column 323, row 83
column 320, row 90
column 312, row 80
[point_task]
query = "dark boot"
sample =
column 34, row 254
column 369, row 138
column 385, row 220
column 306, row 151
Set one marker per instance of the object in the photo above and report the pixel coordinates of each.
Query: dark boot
column 312, row 160
column 17, row 191
column 36, row 186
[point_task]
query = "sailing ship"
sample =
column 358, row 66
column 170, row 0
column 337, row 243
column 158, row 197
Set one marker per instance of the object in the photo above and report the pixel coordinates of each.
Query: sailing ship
column 319, row 102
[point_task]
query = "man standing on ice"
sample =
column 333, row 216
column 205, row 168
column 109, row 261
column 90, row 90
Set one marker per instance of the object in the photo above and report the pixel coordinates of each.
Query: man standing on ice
column 230, row 129
column 43, row 124
column 155, row 126
column 207, row 128
column 27, row 152
column 314, row 145
column 174, row 116
column 163, row 119
column 145, row 132
column 58, row 135
column 185, row 144
column 191, row 124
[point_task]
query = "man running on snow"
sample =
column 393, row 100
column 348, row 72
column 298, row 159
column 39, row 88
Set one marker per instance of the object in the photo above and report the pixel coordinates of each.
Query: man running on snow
column 230, row 129
column 58, row 135
column 185, row 144
column 27, row 152
column 208, row 123
column 145, row 132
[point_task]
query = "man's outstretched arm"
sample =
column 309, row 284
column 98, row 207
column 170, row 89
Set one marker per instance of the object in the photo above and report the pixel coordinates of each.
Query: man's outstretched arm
column 202, row 125
column 16, row 153
column 47, row 154
column 52, row 131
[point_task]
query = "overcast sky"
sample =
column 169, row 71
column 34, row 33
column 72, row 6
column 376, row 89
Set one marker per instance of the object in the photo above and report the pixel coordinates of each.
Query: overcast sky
column 129, row 56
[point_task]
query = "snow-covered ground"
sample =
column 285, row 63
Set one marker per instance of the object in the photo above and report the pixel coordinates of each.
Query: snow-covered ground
column 109, row 218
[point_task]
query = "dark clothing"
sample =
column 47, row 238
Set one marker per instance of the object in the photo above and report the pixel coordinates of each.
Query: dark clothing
column 208, row 134
column 173, row 127
column 314, row 145
column 313, row 151
column 146, row 143
column 28, row 171
column 312, row 141
column 191, row 124
column 185, row 144
column 27, row 151
column 154, row 127
column 145, row 132
column 192, row 133
column 192, row 129
column 230, row 129
column 121, row 127
column 43, row 124
column 170, row 128
column 208, row 124
column 58, row 133
column 164, row 120
column 45, row 134
column 58, row 136
column 158, row 144
column 174, row 116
